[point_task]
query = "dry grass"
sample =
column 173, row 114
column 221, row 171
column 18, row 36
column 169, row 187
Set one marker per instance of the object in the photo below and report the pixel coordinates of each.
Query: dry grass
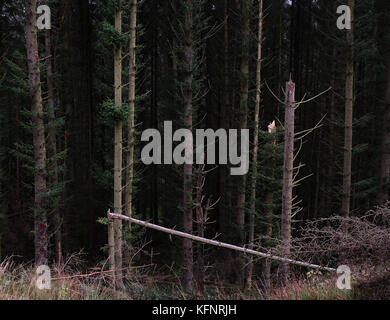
column 18, row 282
column 318, row 288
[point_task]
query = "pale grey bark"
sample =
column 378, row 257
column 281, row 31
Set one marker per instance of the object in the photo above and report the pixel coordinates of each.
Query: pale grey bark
column 217, row 243
column 187, row 174
column 288, row 175
column 349, row 99
column 52, row 145
column 40, row 219
column 115, row 229
column 255, row 144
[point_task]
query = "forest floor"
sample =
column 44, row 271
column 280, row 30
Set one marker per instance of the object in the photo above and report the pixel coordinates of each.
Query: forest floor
column 18, row 282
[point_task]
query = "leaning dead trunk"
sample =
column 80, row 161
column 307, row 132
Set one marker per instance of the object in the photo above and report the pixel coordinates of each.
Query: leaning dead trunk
column 38, row 131
column 217, row 243
column 288, row 167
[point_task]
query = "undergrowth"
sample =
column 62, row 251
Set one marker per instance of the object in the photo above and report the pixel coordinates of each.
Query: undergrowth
column 18, row 282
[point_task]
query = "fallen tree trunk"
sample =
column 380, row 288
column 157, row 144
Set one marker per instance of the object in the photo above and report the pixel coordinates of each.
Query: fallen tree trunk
column 216, row 243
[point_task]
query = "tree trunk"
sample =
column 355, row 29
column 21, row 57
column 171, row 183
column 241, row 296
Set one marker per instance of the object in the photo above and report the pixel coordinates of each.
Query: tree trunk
column 40, row 220
column 223, row 121
column 255, row 145
column 269, row 199
column 288, row 167
column 154, row 196
column 346, row 199
column 268, row 202
column 131, row 121
column 187, row 176
column 329, row 197
column 243, row 112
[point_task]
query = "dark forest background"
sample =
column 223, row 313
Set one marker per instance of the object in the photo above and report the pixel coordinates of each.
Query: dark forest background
column 300, row 39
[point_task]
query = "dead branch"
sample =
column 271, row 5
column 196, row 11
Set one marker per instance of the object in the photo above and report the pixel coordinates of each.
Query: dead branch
column 216, row 243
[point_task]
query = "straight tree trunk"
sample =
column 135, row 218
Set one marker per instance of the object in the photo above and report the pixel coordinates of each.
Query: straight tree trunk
column 223, row 120
column 224, row 217
column 117, row 227
column 154, row 196
column 269, row 201
column 347, row 170
column 187, row 176
column 40, row 219
column 288, row 167
column 255, row 145
column 280, row 56
column 385, row 166
column 244, row 69
column 131, row 121
column 52, row 145
column 332, row 107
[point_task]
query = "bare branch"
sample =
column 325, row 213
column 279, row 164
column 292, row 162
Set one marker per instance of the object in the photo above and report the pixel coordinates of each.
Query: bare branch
column 216, row 243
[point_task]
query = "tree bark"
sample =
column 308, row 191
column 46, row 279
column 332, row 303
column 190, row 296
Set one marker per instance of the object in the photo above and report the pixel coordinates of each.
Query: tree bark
column 223, row 121
column 216, row 243
column 243, row 112
column 118, row 160
column 187, row 176
column 269, row 201
column 288, row 167
column 224, row 214
column 52, row 145
column 40, row 219
column 349, row 99
column 255, row 145
column 131, row 118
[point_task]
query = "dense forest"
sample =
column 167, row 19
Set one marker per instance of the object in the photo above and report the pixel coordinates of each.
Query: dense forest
column 81, row 81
